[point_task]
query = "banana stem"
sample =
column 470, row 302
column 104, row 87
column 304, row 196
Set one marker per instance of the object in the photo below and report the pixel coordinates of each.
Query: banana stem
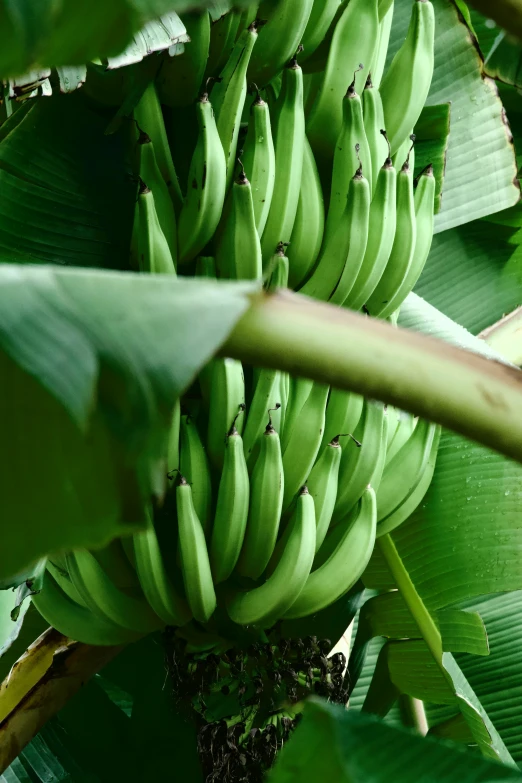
column 413, row 715
column 468, row 393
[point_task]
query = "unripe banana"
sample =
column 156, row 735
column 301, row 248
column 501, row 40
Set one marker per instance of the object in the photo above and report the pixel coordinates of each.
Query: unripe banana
column 62, row 577
column 424, row 218
column 343, row 249
column 203, row 205
column 404, row 429
column 75, row 621
column 373, row 123
column 345, row 565
column 194, row 466
column 354, row 41
column 343, row 412
column 298, row 393
column 152, row 177
column 359, row 461
column 223, row 34
column 383, row 220
column 249, row 15
column 303, row 445
column 289, row 140
column 259, row 160
column 352, row 152
column 206, row 267
column 308, row 231
column 227, row 397
column 180, row 78
column 104, row 599
column 264, row 605
column 155, row 255
column 228, row 96
column 266, row 501
column 406, row 509
column 266, row 397
column 230, row 520
column 319, row 21
column 407, row 81
column 155, row 582
column 173, row 439
column 403, row 246
column 195, row 564
column 385, row 25
column 405, row 470
column 322, row 485
column 279, row 38
column 149, row 117
column 278, row 270
column 237, row 245
column 376, row 477
column 134, row 251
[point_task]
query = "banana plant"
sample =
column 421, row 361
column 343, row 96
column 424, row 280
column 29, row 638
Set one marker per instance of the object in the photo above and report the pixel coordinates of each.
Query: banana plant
column 95, row 353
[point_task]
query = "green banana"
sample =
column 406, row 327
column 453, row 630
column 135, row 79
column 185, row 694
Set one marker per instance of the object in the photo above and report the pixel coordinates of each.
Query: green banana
column 230, row 520
column 223, row 33
column 373, row 122
column 278, row 270
column 406, row 152
column 229, row 94
column 154, row 252
column 203, row 205
column 180, row 78
column 104, row 599
column 359, row 459
column 195, row 564
column 264, row 605
column 403, row 248
column 404, row 511
column 352, row 153
column 343, row 412
column 227, row 397
column 61, row 576
column 206, row 267
column 266, row 501
column 298, row 393
column 354, row 41
column 149, row 117
column 258, row 158
column 134, row 250
column 322, row 485
column 345, row 565
column 285, row 24
column 404, row 429
column 151, row 176
column 303, row 445
column 237, row 246
column 376, row 477
column 343, row 248
column 155, row 582
column 319, row 21
column 289, row 140
column 385, row 25
column 308, row 231
column 383, row 220
column 424, row 218
column 194, row 466
column 265, row 397
column 407, row 81
column 405, row 470
column 75, row 621
column 249, row 15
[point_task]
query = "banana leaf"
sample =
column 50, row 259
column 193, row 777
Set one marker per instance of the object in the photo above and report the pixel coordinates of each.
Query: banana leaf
column 342, row 745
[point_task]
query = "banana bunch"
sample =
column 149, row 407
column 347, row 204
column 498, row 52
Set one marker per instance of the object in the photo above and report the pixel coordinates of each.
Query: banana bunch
column 280, row 485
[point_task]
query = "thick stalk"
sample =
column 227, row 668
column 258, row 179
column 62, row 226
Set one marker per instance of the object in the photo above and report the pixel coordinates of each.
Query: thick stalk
column 463, row 391
column 413, row 715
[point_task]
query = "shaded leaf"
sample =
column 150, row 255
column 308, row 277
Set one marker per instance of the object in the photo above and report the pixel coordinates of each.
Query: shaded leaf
column 348, row 747
column 432, row 133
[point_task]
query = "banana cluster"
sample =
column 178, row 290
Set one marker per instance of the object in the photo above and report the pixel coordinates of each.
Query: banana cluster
column 280, row 485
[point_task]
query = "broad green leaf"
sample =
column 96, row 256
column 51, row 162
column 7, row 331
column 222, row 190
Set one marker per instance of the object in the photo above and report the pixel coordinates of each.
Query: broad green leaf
column 480, row 162
column 474, row 272
column 506, row 13
column 74, row 31
column 66, row 189
column 92, row 363
column 349, row 747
